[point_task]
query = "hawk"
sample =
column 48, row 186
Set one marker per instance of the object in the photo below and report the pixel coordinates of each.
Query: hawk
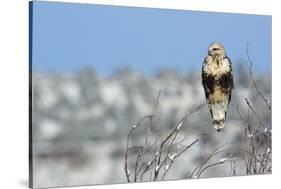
column 217, row 81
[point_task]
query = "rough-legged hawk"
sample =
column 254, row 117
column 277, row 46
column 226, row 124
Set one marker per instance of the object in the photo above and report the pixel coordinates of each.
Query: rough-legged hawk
column 217, row 81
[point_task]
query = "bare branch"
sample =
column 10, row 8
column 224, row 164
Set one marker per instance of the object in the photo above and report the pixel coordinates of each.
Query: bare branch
column 127, row 171
column 161, row 159
column 255, row 113
column 208, row 166
column 250, row 67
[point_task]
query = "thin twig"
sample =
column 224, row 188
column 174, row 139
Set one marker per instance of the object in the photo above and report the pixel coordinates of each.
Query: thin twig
column 177, row 155
column 208, row 166
column 127, row 172
column 250, row 66
column 255, row 113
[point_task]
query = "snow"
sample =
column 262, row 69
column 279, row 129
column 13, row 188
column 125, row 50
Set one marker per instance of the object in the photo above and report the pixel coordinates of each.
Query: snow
column 82, row 138
column 167, row 167
column 157, row 167
column 171, row 157
column 223, row 160
column 47, row 97
column 49, row 129
column 71, row 91
column 179, row 125
column 112, row 93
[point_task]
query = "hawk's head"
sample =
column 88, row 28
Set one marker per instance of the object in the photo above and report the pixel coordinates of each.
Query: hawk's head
column 216, row 49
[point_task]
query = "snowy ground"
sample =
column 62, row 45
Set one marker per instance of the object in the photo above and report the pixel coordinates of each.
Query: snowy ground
column 81, row 121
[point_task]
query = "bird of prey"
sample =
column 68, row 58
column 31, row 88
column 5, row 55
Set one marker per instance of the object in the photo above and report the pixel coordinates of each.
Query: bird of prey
column 217, row 81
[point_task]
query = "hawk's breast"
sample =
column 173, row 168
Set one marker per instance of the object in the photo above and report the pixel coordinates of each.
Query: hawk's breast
column 216, row 67
column 217, row 74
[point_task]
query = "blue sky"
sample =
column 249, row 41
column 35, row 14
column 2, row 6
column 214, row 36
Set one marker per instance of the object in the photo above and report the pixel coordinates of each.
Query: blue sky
column 68, row 37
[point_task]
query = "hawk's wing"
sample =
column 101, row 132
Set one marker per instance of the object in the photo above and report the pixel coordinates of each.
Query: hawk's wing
column 207, row 80
column 226, row 80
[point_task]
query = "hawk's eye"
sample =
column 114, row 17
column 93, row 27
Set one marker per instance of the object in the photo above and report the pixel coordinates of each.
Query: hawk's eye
column 216, row 49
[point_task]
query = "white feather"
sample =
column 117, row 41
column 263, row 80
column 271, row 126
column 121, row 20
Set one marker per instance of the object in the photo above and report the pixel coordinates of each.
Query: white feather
column 218, row 110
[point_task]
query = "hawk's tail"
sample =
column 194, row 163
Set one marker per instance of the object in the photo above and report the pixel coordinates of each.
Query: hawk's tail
column 218, row 112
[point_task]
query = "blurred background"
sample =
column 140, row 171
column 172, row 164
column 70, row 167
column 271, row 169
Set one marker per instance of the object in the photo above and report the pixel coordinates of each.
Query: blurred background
column 97, row 70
